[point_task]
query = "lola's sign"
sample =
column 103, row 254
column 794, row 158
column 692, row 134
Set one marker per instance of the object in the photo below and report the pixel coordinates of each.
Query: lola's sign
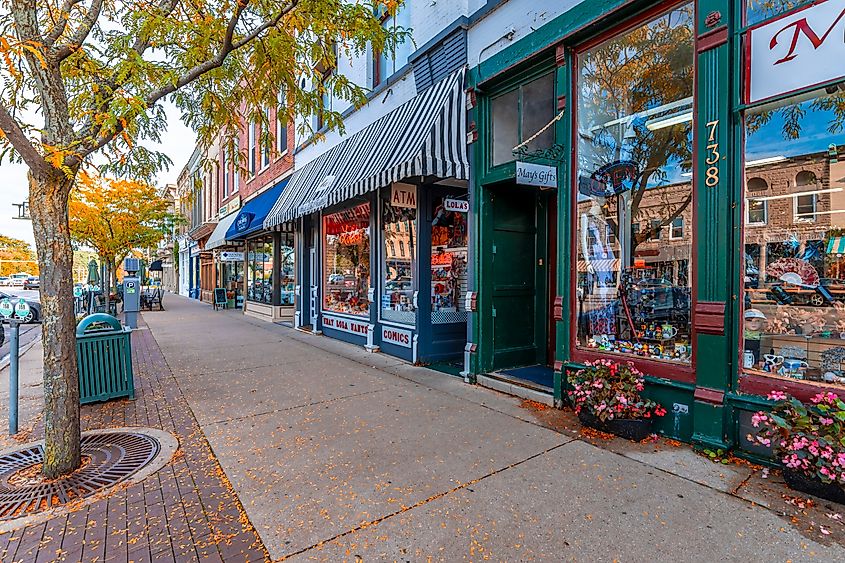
column 799, row 50
column 345, row 325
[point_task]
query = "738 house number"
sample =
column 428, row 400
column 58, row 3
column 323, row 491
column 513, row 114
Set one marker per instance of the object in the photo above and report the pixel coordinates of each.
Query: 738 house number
column 711, row 175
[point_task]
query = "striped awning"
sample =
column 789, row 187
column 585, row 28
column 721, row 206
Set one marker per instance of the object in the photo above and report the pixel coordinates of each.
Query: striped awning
column 836, row 245
column 426, row 136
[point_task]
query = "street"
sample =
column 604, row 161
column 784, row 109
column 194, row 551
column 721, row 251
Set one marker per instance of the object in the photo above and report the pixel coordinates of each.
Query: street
column 28, row 332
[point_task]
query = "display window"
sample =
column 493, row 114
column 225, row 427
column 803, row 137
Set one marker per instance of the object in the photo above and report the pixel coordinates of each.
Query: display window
column 794, row 240
column 346, row 281
column 233, row 279
column 287, row 280
column 633, row 187
column 260, row 270
column 449, row 258
column 757, row 11
column 399, row 260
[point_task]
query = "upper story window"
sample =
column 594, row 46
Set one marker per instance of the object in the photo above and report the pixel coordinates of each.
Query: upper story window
column 251, row 144
column 521, row 114
column 677, row 230
column 225, row 171
column 326, row 70
column 756, row 212
column 387, row 62
column 265, row 141
column 281, row 123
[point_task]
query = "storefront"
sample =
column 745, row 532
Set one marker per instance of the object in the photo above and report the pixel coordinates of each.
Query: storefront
column 383, row 253
column 265, row 272
column 676, row 207
column 228, row 257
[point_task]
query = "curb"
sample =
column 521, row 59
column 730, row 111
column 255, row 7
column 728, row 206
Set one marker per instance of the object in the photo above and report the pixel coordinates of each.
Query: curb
column 4, row 363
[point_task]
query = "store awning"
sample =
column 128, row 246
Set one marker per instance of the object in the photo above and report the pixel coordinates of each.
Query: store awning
column 425, row 136
column 155, row 266
column 218, row 236
column 836, row 245
column 250, row 219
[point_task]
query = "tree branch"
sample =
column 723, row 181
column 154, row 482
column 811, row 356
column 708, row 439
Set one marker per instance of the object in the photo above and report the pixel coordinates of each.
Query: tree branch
column 22, row 145
column 60, row 26
column 86, row 25
column 228, row 46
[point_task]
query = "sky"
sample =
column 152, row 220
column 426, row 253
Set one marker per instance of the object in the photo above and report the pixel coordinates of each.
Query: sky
column 178, row 143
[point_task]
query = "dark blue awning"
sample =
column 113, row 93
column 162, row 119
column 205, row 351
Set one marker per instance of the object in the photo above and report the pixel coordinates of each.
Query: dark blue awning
column 250, row 219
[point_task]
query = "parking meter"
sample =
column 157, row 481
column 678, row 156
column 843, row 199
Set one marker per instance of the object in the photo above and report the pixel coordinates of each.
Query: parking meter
column 131, row 292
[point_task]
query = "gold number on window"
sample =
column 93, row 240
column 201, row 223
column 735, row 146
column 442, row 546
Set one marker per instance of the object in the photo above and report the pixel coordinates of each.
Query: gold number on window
column 711, row 175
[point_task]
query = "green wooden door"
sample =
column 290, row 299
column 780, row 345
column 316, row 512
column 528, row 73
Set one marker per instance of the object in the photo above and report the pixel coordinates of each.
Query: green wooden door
column 518, row 279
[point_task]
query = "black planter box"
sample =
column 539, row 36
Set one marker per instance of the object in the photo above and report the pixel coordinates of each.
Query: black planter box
column 636, row 429
column 800, row 482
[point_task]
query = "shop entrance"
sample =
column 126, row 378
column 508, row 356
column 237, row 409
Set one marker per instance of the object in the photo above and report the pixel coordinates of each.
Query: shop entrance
column 523, row 281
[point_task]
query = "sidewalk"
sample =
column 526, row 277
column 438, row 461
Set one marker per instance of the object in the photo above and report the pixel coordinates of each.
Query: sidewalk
column 185, row 512
column 338, row 454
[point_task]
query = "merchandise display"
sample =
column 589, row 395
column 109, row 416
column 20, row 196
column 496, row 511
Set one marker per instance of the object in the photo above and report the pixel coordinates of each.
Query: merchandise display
column 448, row 263
column 347, row 261
column 399, row 261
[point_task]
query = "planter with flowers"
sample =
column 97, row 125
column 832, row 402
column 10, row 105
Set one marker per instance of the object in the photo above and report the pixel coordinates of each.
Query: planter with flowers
column 809, row 440
column 606, row 396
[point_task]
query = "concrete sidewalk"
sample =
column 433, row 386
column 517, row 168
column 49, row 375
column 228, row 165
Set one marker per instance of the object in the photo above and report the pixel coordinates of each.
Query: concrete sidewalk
column 338, row 454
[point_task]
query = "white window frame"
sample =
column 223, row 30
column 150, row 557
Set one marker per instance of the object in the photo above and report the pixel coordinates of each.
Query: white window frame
column 672, row 228
column 225, row 170
column 748, row 220
column 281, row 128
column 253, row 158
column 804, row 219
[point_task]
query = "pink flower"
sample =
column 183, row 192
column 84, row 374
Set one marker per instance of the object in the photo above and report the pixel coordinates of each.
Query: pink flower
column 777, row 396
column 825, row 421
column 757, row 418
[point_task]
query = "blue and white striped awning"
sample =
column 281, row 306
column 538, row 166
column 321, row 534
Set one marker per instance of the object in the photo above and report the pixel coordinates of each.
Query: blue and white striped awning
column 426, row 136
column 836, row 245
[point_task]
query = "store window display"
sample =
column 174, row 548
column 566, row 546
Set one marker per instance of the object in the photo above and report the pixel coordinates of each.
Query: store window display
column 794, row 278
column 260, row 270
column 634, row 193
column 287, row 283
column 347, row 261
column 449, row 259
column 399, row 261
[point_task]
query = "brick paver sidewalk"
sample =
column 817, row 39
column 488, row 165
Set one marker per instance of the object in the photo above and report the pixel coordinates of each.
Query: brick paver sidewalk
column 185, row 512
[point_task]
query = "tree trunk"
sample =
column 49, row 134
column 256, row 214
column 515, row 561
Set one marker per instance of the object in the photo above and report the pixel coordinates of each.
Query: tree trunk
column 48, row 198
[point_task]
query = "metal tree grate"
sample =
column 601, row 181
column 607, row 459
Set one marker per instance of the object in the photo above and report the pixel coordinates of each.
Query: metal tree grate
column 114, row 456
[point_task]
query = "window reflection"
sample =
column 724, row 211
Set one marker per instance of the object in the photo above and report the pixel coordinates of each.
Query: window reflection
column 794, row 302
column 634, row 120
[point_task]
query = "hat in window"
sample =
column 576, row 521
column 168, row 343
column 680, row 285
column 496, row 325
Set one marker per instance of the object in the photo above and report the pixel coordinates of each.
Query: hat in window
column 754, row 314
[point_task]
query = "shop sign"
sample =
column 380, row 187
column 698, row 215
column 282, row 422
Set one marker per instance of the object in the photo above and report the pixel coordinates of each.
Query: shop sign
column 345, row 325
column 796, row 51
column 396, row 336
column 243, row 221
column 259, row 257
column 403, row 195
column 195, row 250
column 456, row 205
column 229, row 256
column 529, row 174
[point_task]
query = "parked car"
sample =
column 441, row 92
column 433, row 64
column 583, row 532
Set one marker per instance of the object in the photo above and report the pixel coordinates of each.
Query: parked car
column 32, row 282
column 34, row 306
column 18, row 279
column 5, row 281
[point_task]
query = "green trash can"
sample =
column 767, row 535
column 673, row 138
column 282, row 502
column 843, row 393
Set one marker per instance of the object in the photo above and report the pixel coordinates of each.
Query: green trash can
column 104, row 359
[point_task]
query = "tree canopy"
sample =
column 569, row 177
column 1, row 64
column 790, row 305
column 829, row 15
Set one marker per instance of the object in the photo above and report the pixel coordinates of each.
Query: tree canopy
column 115, row 216
column 16, row 256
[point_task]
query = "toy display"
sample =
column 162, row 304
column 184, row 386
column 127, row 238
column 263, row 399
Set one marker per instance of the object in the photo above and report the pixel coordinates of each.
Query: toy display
column 347, row 261
column 448, row 260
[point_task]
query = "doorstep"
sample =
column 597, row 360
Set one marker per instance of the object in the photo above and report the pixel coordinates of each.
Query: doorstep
column 517, row 387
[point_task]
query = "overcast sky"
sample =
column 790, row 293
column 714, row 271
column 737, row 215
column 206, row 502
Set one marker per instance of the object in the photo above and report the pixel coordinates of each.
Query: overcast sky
column 178, row 143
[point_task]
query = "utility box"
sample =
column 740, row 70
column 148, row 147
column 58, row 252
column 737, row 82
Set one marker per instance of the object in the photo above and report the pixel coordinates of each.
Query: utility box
column 104, row 359
column 131, row 300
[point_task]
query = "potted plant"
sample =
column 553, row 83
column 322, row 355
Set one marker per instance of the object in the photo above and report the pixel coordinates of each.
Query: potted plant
column 230, row 299
column 606, row 396
column 808, row 440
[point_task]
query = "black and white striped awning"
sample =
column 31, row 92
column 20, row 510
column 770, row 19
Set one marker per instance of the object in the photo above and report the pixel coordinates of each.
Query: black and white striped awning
column 426, row 136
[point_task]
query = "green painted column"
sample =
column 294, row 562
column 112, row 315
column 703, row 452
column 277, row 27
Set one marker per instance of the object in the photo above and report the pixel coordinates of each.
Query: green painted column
column 715, row 266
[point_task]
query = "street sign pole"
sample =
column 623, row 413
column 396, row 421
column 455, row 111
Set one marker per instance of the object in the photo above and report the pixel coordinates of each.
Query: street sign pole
column 14, row 351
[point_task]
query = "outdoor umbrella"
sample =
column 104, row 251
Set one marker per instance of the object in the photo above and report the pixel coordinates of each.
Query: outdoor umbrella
column 93, row 274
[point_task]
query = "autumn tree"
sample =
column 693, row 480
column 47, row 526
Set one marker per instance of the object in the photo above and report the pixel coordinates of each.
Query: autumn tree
column 115, row 216
column 83, row 78
column 16, row 256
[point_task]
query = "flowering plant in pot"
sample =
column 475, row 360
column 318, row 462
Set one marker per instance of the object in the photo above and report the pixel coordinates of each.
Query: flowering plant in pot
column 808, row 440
column 606, row 396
